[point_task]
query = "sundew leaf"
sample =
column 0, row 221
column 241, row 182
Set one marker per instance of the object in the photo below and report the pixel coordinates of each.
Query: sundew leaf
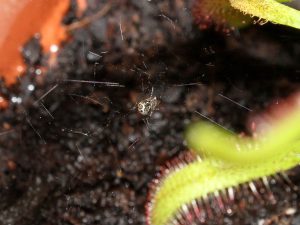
column 199, row 179
column 226, row 15
column 269, row 10
column 227, row 161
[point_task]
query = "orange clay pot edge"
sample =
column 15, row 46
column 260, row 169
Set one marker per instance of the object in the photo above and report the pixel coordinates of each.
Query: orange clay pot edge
column 35, row 16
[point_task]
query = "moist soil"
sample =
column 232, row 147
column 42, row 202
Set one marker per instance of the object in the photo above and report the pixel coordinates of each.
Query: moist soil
column 77, row 152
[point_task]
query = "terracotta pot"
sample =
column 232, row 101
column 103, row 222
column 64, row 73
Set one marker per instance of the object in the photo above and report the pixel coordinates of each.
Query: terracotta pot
column 19, row 21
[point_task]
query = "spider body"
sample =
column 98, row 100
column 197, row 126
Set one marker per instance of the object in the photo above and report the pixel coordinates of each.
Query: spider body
column 147, row 106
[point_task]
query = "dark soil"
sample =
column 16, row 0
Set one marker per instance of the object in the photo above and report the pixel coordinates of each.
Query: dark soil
column 80, row 153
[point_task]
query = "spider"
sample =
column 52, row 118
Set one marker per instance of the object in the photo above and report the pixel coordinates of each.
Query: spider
column 148, row 105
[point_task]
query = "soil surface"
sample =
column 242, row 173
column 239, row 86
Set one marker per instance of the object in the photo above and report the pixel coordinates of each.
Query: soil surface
column 76, row 150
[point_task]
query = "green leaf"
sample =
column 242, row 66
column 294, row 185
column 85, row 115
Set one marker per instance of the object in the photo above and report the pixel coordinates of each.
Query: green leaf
column 269, row 10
